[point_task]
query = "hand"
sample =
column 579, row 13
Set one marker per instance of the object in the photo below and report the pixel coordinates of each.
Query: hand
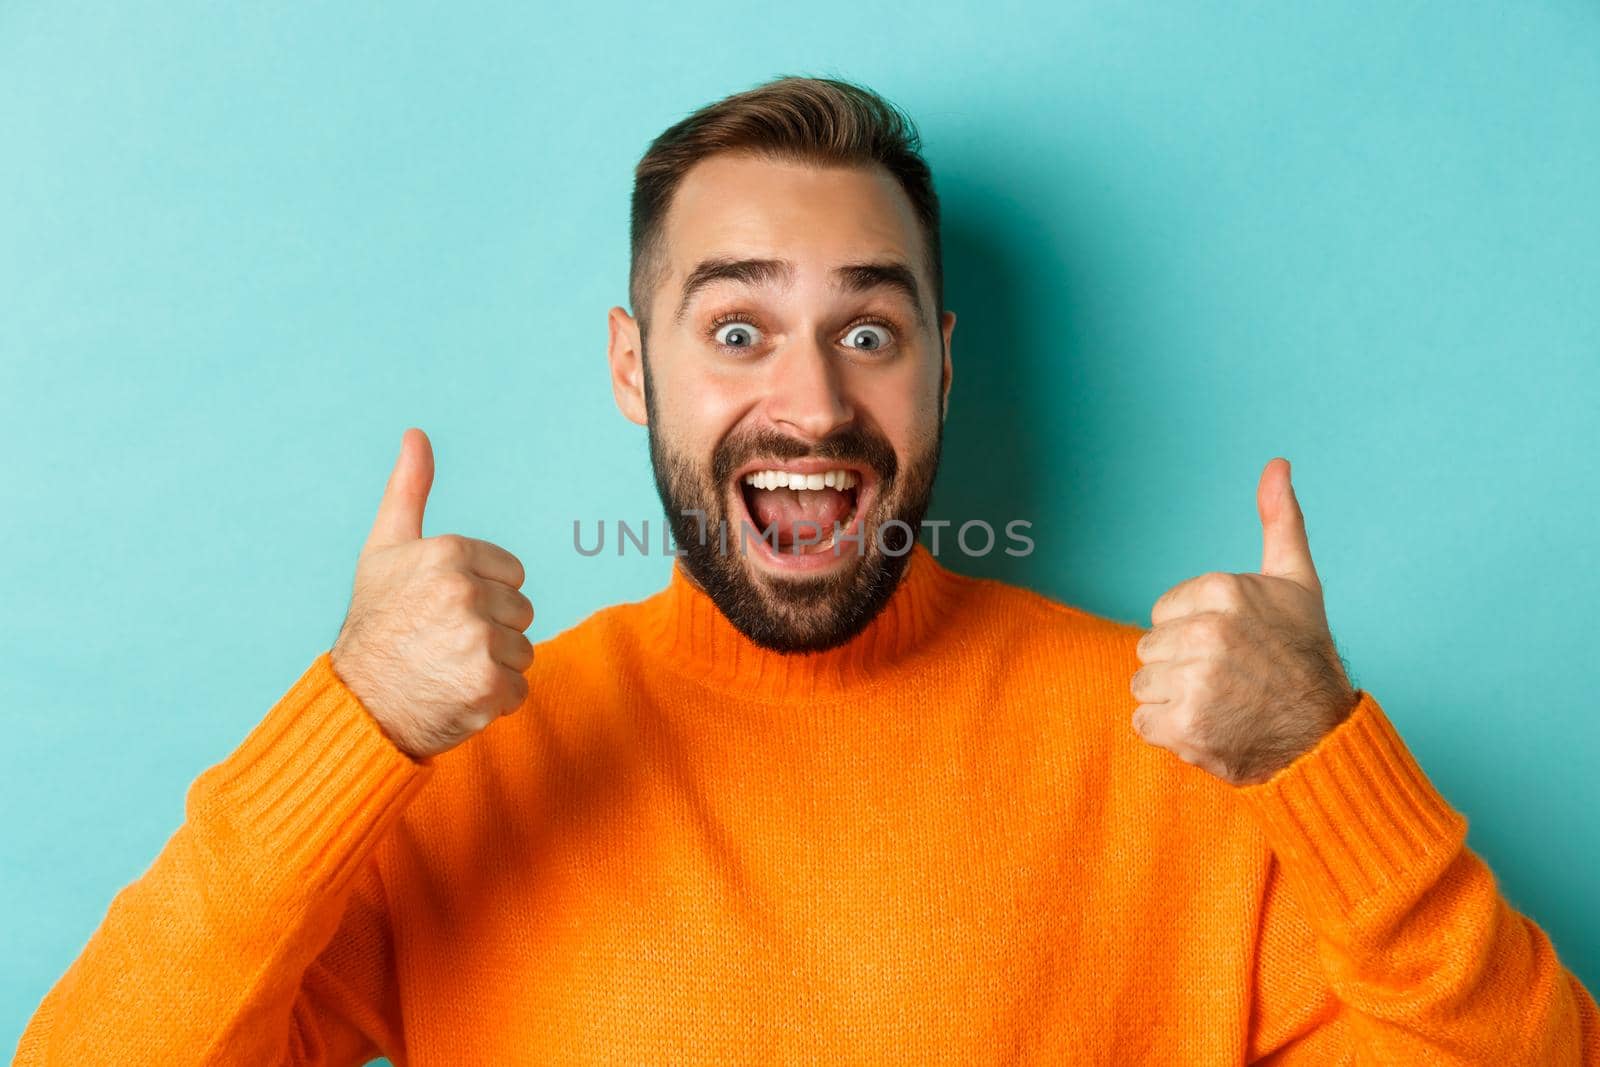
column 432, row 643
column 1240, row 673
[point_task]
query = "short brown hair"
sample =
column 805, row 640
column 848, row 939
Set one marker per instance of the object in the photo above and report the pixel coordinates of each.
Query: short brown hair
column 823, row 120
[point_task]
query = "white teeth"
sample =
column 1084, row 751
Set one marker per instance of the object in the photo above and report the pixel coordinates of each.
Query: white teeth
column 778, row 479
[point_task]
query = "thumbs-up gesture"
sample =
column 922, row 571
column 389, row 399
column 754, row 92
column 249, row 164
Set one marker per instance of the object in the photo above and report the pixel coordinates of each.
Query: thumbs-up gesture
column 1240, row 674
column 432, row 644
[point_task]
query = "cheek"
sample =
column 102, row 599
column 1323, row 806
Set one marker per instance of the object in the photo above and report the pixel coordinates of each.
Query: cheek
column 697, row 409
column 903, row 402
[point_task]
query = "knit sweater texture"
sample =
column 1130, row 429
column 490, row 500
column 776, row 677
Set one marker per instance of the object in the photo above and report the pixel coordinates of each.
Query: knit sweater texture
column 940, row 843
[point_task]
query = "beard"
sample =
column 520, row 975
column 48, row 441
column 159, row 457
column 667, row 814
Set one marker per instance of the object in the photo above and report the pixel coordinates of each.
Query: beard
column 801, row 613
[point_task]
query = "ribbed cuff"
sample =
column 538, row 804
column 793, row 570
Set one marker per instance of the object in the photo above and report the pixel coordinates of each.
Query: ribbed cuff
column 1355, row 819
column 313, row 784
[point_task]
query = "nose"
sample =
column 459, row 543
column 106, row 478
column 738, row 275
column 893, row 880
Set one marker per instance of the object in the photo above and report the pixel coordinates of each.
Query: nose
column 805, row 393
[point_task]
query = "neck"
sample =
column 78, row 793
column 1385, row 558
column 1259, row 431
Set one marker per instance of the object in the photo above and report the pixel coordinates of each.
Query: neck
column 694, row 638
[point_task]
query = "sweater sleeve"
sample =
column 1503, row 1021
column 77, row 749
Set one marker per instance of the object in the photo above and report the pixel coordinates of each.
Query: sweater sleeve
column 1384, row 939
column 259, row 933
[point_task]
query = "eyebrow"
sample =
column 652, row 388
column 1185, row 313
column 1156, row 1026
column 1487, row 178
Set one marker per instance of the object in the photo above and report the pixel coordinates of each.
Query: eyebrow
column 852, row 278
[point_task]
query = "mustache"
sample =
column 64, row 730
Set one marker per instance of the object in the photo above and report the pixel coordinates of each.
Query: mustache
column 849, row 444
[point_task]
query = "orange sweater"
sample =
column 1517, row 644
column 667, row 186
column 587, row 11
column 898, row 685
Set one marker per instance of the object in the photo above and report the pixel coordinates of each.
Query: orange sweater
column 940, row 843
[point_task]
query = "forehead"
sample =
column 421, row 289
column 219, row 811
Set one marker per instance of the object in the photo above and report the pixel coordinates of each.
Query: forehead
column 744, row 206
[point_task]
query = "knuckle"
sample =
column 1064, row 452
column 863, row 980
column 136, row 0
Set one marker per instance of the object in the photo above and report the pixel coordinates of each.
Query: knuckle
column 490, row 674
column 449, row 548
column 1183, row 721
column 481, row 709
column 1208, row 630
column 458, row 590
column 518, row 685
column 481, row 684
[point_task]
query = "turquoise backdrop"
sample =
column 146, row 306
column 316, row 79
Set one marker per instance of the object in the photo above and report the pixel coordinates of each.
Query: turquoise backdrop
column 242, row 247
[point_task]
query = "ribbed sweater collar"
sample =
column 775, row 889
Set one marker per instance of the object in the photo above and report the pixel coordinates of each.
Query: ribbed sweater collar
column 692, row 637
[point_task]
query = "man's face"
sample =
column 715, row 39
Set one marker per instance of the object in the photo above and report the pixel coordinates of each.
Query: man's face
column 793, row 338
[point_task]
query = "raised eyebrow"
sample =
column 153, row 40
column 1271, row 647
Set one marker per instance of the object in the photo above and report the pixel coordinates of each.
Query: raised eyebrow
column 723, row 269
column 862, row 277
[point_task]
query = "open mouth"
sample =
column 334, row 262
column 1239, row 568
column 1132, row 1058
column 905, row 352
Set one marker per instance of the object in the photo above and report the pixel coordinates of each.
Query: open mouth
column 800, row 508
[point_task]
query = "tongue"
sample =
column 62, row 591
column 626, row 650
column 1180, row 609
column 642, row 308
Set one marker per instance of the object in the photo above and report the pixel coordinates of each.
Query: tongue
column 784, row 508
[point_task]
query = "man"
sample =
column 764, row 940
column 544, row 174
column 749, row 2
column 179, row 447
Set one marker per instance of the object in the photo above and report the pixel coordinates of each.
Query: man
column 820, row 799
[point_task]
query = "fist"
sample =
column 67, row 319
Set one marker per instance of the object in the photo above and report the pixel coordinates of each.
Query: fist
column 1240, row 674
column 432, row 643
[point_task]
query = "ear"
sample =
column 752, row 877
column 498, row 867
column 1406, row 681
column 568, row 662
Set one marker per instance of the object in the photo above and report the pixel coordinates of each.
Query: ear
column 625, row 353
column 947, row 326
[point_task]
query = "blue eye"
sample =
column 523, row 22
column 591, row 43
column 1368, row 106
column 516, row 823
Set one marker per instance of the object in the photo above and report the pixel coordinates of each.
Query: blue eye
column 736, row 335
column 866, row 338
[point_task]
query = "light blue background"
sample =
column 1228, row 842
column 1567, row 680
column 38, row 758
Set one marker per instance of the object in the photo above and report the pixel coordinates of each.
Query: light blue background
column 242, row 249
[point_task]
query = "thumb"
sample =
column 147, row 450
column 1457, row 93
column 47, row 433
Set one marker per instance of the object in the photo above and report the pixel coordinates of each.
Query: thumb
column 1285, row 552
column 400, row 511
